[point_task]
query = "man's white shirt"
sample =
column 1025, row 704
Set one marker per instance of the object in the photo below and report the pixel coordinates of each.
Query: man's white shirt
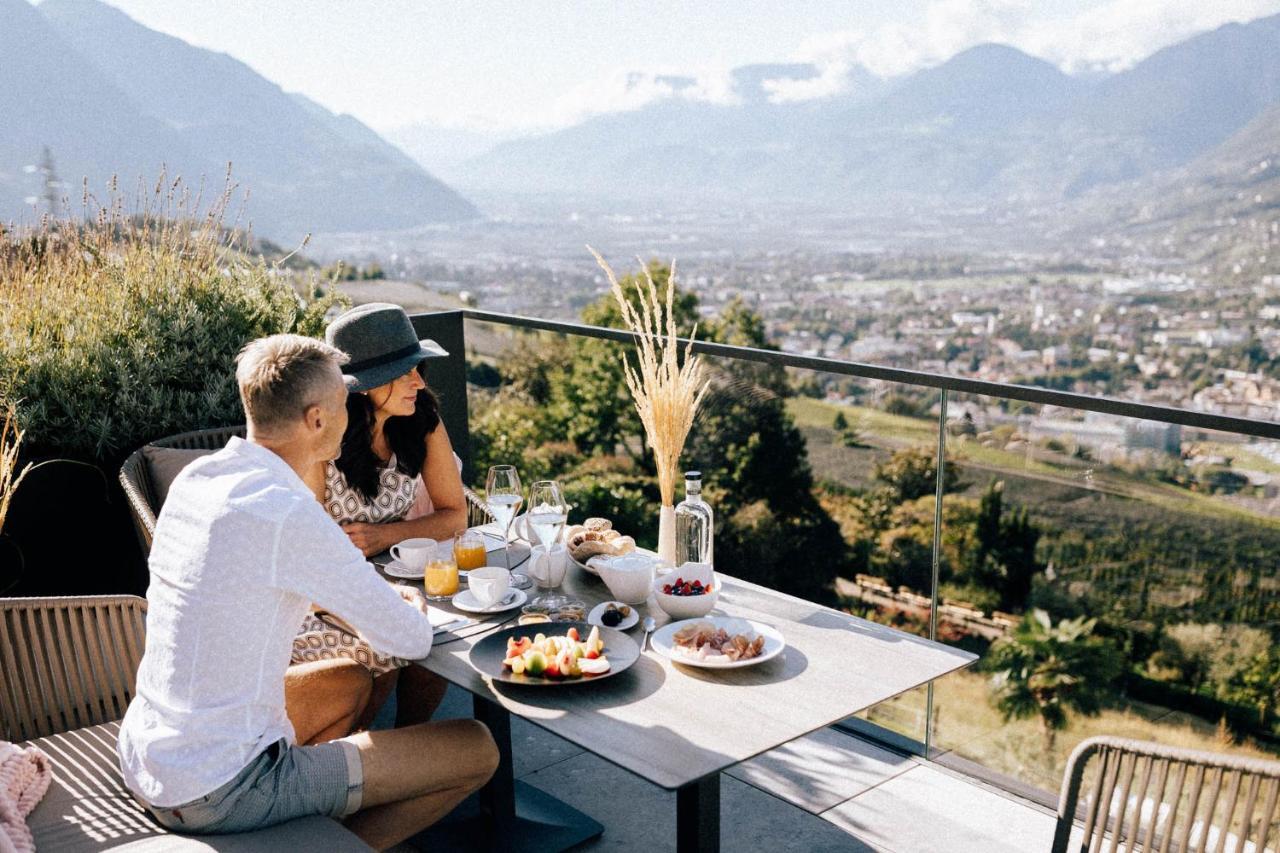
column 242, row 549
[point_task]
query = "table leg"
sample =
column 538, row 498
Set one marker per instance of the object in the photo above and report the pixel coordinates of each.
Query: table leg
column 507, row 816
column 498, row 797
column 698, row 816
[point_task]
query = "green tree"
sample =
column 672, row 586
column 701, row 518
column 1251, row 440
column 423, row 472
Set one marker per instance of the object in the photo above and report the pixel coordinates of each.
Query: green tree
column 912, row 474
column 1004, row 554
column 1045, row 670
column 1256, row 685
column 754, row 459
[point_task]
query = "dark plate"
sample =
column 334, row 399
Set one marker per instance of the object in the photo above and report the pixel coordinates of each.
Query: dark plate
column 488, row 654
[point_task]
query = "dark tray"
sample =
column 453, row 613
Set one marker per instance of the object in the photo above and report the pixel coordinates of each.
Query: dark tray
column 488, row 654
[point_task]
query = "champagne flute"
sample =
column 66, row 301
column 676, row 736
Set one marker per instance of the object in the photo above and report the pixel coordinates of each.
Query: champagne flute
column 504, row 495
column 548, row 513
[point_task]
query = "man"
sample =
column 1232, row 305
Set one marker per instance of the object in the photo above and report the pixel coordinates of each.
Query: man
column 216, row 738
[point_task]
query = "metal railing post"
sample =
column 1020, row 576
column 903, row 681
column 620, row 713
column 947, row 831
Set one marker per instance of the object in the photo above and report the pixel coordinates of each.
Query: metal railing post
column 940, row 464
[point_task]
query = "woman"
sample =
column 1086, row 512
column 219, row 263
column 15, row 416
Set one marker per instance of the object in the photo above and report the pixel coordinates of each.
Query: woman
column 397, row 478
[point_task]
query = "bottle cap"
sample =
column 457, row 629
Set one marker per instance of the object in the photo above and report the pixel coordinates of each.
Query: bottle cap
column 693, row 475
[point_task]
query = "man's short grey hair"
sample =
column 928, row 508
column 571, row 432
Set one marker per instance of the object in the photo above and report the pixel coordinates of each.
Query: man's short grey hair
column 281, row 376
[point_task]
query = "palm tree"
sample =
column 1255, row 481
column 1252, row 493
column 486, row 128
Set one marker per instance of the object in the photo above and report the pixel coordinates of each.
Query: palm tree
column 1045, row 670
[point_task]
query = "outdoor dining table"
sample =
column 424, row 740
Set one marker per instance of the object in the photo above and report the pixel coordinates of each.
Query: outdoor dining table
column 677, row 726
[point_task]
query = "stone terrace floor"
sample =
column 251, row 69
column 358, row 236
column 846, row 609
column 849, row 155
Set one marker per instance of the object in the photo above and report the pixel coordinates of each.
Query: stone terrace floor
column 829, row 791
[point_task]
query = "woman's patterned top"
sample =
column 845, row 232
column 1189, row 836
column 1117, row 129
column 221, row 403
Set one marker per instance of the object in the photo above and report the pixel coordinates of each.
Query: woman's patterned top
column 396, row 495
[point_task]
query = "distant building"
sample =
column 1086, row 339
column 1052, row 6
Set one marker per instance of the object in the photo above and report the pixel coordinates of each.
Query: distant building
column 1108, row 437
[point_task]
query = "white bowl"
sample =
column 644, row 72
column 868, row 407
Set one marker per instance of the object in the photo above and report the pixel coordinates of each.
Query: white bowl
column 688, row 606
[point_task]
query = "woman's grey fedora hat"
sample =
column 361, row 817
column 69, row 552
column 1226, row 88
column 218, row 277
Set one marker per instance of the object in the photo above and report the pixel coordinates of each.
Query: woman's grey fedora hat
column 380, row 340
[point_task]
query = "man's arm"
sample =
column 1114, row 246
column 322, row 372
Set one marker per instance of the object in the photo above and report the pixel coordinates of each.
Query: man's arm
column 316, row 560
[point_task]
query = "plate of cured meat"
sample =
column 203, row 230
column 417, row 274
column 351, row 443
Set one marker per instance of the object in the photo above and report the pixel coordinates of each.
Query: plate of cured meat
column 718, row 642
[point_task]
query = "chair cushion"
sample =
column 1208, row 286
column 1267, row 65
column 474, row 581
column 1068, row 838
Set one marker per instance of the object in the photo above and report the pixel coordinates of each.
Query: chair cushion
column 164, row 464
column 88, row 808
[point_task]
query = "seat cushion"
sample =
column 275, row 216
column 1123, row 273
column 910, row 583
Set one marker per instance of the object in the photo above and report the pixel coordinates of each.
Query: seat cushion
column 88, row 808
column 166, row 463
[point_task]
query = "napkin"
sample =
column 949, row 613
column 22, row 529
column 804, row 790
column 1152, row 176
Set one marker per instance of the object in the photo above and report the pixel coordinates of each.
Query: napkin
column 492, row 534
column 440, row 618
column 548, row 565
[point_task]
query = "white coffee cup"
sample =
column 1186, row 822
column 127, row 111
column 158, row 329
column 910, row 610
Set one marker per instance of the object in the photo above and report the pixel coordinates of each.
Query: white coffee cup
column 414, row 553
column 489, row 585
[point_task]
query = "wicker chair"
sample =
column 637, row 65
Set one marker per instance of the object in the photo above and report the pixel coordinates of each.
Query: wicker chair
column 67, row 674
column 1147, row 797
column 67, row 663
column 135, row 478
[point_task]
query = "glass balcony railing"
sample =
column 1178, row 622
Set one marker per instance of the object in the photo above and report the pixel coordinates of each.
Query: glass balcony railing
column 958, row 509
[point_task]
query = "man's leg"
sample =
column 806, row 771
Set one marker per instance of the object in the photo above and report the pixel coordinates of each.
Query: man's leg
column 416, row 775
column 382, row 687
column 420, row 693
column 324, row 698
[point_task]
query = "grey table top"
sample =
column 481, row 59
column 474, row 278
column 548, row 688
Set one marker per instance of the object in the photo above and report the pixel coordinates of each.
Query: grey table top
column 673, row 724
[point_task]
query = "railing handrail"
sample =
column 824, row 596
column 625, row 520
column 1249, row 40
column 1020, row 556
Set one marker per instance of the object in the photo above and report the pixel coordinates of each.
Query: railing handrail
column 1025, row 393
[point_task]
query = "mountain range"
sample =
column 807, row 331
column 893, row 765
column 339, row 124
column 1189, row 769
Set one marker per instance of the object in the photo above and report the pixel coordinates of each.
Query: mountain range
column 992, row 123
column 1186, row 136
column 110, row 97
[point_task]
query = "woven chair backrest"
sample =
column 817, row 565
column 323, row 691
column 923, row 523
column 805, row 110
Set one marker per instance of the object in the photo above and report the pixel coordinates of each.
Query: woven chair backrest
column 1138, row 796
column 67, row 662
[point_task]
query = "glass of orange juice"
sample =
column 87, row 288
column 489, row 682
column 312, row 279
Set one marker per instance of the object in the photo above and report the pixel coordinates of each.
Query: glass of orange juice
column 440, row 576
column 468, row 550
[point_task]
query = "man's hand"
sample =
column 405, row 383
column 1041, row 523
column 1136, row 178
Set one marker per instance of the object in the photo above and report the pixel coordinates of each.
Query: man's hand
column 369, row 538
column 413, row 596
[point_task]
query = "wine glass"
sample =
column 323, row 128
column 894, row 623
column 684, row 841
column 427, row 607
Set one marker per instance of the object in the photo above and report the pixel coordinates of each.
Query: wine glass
column 504, row 496
column 548, row 513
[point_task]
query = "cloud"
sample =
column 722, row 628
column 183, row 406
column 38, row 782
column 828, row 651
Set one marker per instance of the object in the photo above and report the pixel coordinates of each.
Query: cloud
column 1116, row 35
column 832, row 79
column 633, row 90
column 1109, row 35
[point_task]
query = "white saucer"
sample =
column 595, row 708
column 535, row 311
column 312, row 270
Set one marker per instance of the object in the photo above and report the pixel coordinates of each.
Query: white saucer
column 596, row 612
column 466, row 600
column 397, row 569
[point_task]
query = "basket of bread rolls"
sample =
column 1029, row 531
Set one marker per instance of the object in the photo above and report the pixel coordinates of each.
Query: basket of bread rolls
column 595, row 537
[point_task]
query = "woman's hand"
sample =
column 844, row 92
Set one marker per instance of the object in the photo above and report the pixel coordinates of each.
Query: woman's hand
column 369, row 538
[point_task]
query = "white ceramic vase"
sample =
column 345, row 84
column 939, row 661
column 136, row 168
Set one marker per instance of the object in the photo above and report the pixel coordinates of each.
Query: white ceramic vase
column 667, row 535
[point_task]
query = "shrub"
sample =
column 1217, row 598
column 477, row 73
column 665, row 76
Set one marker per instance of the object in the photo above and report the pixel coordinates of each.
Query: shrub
column 119, row 329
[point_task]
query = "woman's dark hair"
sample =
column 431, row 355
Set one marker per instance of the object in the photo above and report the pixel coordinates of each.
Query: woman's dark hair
column 407, row 435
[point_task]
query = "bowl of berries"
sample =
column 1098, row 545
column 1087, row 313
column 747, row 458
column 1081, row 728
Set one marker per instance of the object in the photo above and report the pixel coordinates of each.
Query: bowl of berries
column 688, row 591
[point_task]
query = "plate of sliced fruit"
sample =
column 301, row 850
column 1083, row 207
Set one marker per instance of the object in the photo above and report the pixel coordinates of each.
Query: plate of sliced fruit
column 718, row 642
column 554, row 653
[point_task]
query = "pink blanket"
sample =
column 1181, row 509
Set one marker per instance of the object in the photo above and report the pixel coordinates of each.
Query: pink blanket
column 25, row 775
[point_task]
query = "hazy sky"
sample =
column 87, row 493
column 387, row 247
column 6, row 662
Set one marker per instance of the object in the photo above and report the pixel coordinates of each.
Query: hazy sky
column 525, row 65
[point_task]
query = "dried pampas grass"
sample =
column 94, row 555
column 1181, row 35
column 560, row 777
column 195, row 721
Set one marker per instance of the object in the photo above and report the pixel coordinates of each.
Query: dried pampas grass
column 667, row 393
column 10, row 441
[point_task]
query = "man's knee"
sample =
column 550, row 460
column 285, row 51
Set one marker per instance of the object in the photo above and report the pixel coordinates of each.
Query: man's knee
column 356, row 683
column 484, row 749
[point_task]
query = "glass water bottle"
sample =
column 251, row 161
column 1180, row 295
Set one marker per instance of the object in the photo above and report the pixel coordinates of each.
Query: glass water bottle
column 694, row 523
